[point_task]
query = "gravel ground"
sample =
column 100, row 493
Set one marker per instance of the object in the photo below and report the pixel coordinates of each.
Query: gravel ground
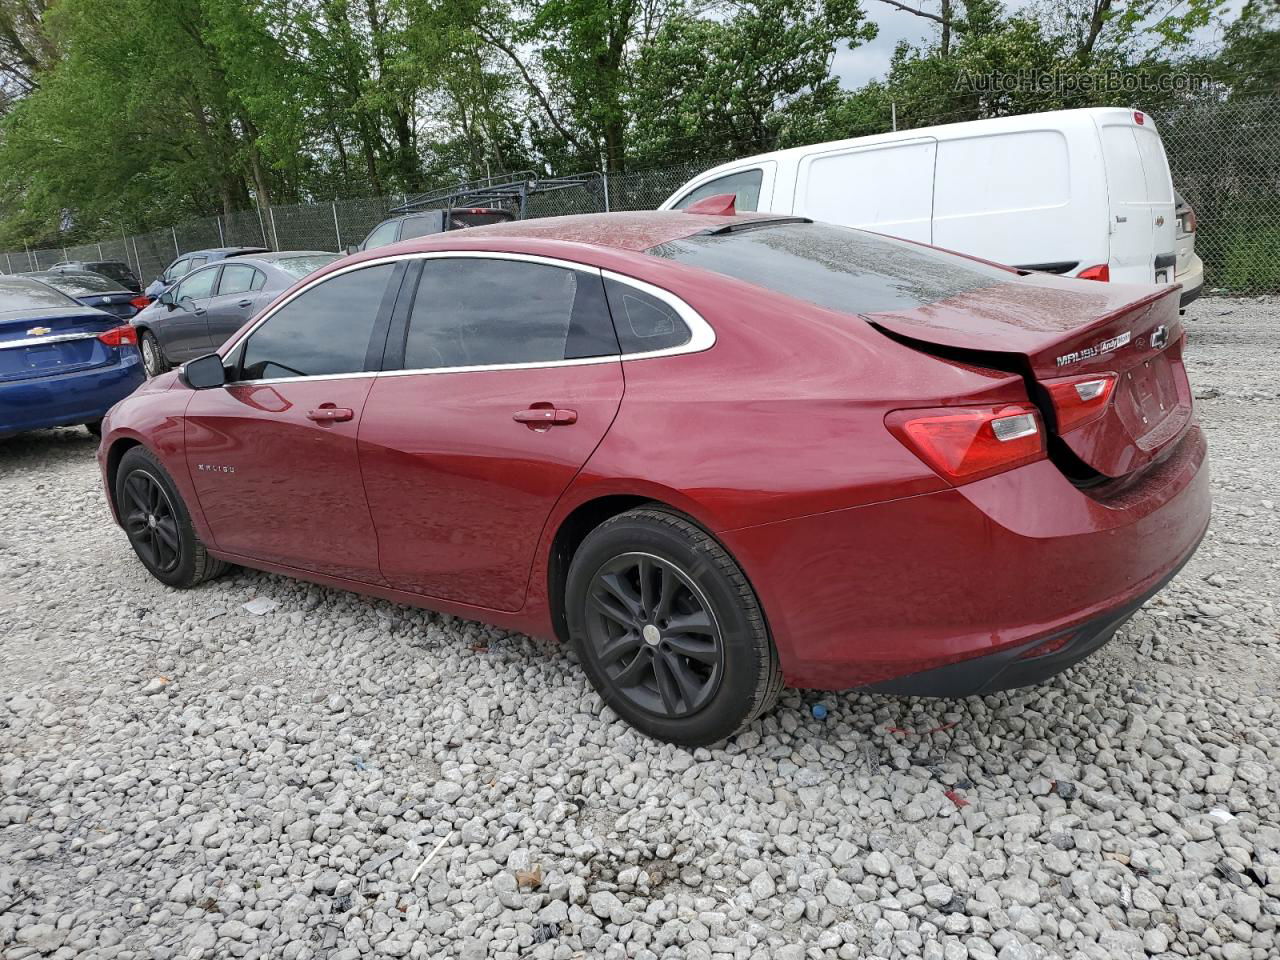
column 343, row 777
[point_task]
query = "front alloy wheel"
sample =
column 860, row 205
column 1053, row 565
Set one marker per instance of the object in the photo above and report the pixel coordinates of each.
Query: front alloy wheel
column 150, row 522
column 157, row 522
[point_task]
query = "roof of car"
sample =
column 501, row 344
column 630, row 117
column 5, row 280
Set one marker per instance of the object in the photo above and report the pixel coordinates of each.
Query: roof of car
column 635, row 230
column 223, row 250
column 272, row 255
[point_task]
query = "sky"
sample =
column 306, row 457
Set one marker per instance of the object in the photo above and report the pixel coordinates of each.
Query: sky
column 871, row 60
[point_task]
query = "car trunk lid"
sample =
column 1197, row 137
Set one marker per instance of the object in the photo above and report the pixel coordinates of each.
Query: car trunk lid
column 58, row 340
column 116, row 304
column 1057, row 332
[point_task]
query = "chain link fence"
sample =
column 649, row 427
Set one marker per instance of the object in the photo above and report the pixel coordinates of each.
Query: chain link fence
column 1225, row 159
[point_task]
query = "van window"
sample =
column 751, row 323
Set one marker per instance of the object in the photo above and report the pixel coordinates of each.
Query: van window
column 1027, row 170
column 743, row 184
column 887, row 188
column 835, row 267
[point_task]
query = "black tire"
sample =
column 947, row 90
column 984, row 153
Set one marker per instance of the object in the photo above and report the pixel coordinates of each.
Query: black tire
column 711, row 667
column 94, row 427
column 153, row 360
column 158, row 525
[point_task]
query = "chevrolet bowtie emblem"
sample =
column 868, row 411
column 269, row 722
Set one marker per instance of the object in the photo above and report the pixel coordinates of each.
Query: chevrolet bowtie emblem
column 39, row 331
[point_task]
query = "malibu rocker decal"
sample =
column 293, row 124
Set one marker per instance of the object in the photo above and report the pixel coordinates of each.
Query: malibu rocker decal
column 215, row 468
column 1097, row 350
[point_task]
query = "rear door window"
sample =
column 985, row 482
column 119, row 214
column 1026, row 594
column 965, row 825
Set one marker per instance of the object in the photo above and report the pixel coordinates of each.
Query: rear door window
column 237, row 278
column 323, row 331
column 179, row 269
column 422, row 225
column 473, row 311
column 743, row 184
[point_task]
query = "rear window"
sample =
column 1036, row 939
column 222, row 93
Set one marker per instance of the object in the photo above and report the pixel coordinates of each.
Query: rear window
column 18, row 293
column 110, row 268
column 835, row 267
column 81, row 284
column 477, row 218
column 301, row 266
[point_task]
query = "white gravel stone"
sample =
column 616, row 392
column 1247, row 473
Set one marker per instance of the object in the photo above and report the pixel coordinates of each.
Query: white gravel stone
column 275, row 792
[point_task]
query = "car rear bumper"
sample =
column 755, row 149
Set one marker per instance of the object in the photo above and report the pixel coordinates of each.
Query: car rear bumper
column 1027, row 663
column 978, row 574
column 1192, row 280
column 68, row 398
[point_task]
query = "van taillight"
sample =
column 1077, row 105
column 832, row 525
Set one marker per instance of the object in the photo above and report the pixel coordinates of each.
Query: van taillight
column 1079, row 400
column 1138, row 117
column 1101, row 272
column 119, row 336
column 962, row 444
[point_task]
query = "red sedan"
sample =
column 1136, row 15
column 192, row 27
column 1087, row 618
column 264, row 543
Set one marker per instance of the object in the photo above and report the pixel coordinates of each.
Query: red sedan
column 716, row 453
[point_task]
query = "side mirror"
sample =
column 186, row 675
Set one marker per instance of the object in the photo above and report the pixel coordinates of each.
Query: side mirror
column 167, row 299
column 204, row 372
column 353, row 248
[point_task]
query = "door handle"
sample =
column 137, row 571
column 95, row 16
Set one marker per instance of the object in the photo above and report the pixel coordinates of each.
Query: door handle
column 543, row 417
column 244, row 303
column 329, row 414
column 199, row 311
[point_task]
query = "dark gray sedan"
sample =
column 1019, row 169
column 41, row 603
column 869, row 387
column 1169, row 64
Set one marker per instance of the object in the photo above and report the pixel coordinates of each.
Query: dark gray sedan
column 196, row 315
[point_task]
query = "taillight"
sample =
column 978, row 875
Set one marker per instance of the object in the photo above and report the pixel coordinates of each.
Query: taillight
column 1101, row 272
column 139, row 302
column 963, row 444
column 1078, row 400
column 1139, row 118
column 119, row 336
column 1189, row 221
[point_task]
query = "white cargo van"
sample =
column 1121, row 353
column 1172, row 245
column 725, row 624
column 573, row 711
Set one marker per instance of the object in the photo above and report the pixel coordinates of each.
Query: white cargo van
column 1083, row 193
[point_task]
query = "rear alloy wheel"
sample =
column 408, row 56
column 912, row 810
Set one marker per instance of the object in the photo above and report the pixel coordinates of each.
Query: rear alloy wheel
column 158, row 524
column 668, row 629
column 153, row 360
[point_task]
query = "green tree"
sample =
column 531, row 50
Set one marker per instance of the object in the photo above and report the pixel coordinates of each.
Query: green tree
column 725, row 87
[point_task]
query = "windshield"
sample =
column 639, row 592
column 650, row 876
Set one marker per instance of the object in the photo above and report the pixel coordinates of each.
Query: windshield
column 301, row 266
column 835, row 267
column 82, row 284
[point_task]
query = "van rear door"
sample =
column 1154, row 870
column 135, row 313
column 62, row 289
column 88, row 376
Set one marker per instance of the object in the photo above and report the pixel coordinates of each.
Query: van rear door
column 1140, row 199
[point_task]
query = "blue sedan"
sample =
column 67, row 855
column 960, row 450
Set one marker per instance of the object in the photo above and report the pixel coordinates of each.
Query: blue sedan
column 61, row 363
